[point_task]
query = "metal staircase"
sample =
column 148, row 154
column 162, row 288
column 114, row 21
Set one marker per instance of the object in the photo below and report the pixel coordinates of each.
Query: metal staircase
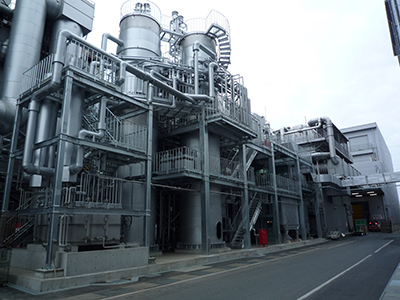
column 224, row 43
column 254, row 213
column 20, row 233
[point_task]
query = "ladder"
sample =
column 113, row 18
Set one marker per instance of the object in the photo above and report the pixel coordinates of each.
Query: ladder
column 254, row 212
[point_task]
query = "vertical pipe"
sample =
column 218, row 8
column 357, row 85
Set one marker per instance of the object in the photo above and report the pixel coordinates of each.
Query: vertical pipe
column 149, row 163
column 23, row 52
column 196, row 68
column 53, row 224
column 205, row 190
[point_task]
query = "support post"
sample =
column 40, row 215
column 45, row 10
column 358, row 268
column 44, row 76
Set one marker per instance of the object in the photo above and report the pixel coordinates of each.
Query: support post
column 11, row 160
column 302, row 213
column 245, row 201
column 58, row 174
column 205, row 190
column 149, row 163
column 277, row 221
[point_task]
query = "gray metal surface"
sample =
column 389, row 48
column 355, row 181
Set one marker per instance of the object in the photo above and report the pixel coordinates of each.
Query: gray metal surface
column 22, row 53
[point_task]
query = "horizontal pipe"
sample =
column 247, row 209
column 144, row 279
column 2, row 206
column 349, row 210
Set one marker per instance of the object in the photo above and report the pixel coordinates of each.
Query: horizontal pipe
column 107, row 36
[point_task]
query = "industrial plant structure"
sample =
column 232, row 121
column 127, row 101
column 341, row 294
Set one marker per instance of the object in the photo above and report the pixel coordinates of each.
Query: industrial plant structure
column 109, row 158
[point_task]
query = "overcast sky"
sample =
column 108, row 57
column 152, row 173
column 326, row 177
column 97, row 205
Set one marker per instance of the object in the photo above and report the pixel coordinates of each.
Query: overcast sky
column 303, row 59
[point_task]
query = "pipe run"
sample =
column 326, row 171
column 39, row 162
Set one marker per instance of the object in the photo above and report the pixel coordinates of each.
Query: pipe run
column 107, row 36
column 197, row 46
column 101, row 127
column 331, row 138
column 33, row 112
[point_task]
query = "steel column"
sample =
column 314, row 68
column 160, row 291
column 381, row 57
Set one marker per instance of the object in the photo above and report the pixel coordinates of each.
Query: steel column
column 302, row 215
column 277, row 221
column 149, row 163
column 11, row 159
column 205, row 189
column 245, row 201
column 57, row 185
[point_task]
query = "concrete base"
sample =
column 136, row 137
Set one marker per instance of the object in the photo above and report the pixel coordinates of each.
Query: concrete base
column 28, row 280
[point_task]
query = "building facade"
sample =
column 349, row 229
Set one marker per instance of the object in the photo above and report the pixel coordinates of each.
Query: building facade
column 371, row 156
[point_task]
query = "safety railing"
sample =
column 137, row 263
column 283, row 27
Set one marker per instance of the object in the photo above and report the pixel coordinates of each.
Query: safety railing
column 286, row 184
column 88, row 59
column 94, row 191
column 126, row 133
column 264, row 180
column 202, row 24
column 35, row 76
column 178, row 160
column 137, row 7
column 229, row 169
column 35, row 199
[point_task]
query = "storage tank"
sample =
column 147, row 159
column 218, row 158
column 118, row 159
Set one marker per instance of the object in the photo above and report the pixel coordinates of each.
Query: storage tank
column 187, row 47
column 140, row 30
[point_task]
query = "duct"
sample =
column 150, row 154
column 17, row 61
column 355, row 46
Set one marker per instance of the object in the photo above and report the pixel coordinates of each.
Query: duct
column 106, row 37
column 331, row 137
column 6, row 11
column 77, row 167
column 53, row 8
column 313, row 123
column 23, row 52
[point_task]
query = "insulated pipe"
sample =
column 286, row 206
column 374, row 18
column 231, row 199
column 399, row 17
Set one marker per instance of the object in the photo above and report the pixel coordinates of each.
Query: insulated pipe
column 107, row 36
column 211, row 67
column 197, row 46
column 23, row 52
column 33, row 111
column 27, row 164
column 77, row 167
column 153, row 80
column 124, row 66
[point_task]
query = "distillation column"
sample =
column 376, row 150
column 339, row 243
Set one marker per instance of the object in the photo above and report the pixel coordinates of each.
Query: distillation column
column 140, row 34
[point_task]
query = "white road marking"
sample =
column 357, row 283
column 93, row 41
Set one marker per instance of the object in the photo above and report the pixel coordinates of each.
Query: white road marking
column 376, row 251
column 332, row 279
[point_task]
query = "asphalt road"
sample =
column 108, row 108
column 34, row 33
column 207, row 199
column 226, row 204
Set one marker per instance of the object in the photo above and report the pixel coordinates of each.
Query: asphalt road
column 350, row 268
